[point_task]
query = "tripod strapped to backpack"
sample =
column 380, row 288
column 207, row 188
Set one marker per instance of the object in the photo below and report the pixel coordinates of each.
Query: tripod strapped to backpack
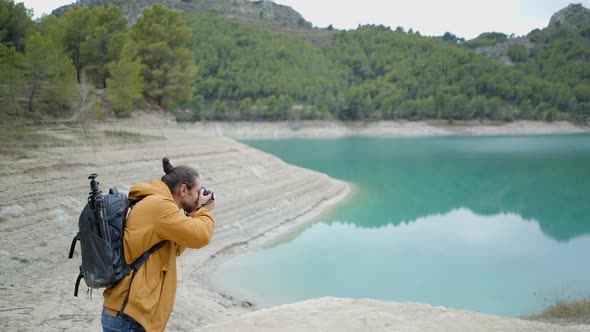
column 101, row 230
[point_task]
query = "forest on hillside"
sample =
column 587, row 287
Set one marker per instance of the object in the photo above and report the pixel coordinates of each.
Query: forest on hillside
column 206, row 67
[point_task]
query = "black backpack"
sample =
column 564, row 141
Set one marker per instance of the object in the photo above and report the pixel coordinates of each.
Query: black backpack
column 101, row 227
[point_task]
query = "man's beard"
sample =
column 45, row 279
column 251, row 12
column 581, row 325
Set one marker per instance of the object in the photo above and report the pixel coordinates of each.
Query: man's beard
column 187, row 207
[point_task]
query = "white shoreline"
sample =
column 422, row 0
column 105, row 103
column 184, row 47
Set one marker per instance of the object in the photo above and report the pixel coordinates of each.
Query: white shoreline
column 336, row 129
column 266, row 238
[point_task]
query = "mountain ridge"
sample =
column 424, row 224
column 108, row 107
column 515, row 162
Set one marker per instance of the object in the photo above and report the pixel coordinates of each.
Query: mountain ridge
column 573, row 21
column 573, row 17
column 265, row 13
column 275, row 16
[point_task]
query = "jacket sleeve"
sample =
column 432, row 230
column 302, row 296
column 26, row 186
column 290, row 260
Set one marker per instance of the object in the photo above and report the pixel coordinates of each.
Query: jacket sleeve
column 193, row 231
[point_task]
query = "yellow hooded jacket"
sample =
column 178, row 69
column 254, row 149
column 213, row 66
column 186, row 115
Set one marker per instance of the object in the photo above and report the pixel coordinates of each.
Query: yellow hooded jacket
column 153, row 219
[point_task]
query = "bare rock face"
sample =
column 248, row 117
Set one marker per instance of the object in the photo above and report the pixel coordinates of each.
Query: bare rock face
column 264, row 12
column 499, row 52
column 573, row 17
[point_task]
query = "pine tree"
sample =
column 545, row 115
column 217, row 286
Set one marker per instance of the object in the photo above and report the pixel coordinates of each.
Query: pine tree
column 160, row 39
column 77, row 27
column 12, row 82
column 104, row 43
column 124, row 86
column 15, row 23
column 50, row 75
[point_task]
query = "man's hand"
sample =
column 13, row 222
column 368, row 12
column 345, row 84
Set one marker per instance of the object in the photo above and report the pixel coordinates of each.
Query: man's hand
column 210, row 206
column 206, row 200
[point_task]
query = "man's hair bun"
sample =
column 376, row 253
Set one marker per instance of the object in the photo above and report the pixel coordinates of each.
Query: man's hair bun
column 176, row 176
column 167, row 165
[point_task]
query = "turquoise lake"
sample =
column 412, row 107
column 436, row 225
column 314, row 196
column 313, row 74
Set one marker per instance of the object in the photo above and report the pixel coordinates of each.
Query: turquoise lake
column 498, row 225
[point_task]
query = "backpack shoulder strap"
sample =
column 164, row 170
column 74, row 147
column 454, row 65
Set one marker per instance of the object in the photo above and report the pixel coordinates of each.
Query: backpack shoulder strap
column 143, row 258
column 137, row 264
column 136, row 200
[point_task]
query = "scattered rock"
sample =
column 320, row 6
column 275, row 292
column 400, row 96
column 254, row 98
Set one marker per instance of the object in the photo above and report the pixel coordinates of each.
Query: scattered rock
column 12, row 211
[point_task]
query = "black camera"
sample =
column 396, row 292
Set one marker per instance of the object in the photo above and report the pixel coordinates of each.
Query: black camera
column 207, row 192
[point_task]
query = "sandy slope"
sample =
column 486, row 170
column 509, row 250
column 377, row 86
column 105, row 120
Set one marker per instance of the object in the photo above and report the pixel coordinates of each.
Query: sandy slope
column 336, row 314
column 43, row 189
column 42, row 194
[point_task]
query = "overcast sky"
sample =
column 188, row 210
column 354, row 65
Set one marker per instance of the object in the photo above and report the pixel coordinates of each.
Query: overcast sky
column 464, row 18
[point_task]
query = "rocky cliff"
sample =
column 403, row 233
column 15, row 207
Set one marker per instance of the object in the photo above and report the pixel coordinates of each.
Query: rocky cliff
column 262, row 12
column 574, row 17
column 572, row 22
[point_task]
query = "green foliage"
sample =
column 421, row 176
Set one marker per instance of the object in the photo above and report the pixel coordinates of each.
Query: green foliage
column 77, row 27
column 15, row 23
column 517, row 53
column 449, row 37
column 250, row 73
column 22, row 260
column 487, row 39
column 125, row 85
column 39, row 78
column 560, row 64
column 12, row 82
column 395, row 75
column 97, row 109
column 571, row 310
column 50, row 76
column 237, row 62
column 53, row 28
column 103, row 43
column 159, row 39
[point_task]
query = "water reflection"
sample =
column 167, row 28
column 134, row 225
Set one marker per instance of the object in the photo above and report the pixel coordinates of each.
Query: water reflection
column 516, row 243
column 501, row 264
column 542, row 178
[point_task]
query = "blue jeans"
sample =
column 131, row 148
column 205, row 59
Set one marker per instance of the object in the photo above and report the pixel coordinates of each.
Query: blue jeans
column 121, row 323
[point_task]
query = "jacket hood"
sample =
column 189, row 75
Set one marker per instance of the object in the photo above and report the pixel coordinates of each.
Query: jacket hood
column 157, row 187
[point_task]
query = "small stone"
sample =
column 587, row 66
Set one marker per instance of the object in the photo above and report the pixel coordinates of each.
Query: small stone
column 13, row 211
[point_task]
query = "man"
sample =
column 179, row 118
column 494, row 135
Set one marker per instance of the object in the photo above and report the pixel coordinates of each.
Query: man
column 144, row 301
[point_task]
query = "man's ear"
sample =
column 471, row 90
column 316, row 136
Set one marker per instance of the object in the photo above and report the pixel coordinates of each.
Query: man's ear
column 183, row 189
